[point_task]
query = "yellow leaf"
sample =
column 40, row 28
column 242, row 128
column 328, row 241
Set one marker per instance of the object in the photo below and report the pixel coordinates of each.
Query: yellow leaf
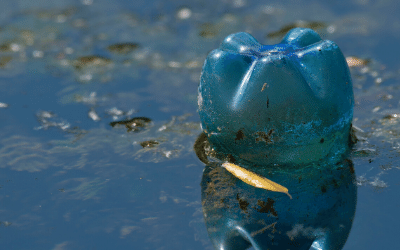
column 254, row 180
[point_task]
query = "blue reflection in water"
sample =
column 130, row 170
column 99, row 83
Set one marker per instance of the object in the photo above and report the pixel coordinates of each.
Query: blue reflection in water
column 320, row 214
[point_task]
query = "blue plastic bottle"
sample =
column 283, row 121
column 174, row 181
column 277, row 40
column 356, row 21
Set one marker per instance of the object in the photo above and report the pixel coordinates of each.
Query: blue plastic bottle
column 283, row 112
column 275, row 104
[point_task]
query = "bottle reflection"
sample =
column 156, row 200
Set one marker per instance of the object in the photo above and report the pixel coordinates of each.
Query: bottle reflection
column 239, row 216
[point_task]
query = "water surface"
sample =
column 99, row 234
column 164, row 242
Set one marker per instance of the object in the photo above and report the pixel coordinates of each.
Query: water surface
column 69, row 180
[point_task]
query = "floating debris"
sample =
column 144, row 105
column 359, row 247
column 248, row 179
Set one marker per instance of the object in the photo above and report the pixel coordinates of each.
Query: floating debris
column 378, row 80
column 386, row 97
column 174, row 138
column 391, row 117
column 376, row 109
column 43, row 118
column 209, row 30
column 10, row 47
column 149, row 144
column 376, row 183
column 163, row 197
column 353, row 136
column 6, row 223
column 3, row 105
column 4, row 60
column 365, row 152
column 126, row 230
column 48, row 119
column 91, row 61
column 353, row 61
column 91, row 99
column 123, row 48
column 193, row 64
column 116, row 113
column 174, row 64
column 93, row 115
column 167, row 154
column 46, row 114
column 200, row 147
column 183, row 13
column 135, row 124
column 28, row 37
column 254, row 179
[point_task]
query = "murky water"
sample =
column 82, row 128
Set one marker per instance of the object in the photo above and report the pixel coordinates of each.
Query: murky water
column 78, row 172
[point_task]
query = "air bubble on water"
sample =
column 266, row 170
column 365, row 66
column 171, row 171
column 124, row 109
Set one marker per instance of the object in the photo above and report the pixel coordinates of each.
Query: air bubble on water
column 64, row 126
column 331, row 29
column 3, row 105
column 378, row 184
column 163, row 127
column 37, row 53
column 93, row 115
column 117, row 113
column 376, row 109
column 361, row 180
column 184, row 13
column 378, row 80
column 15, row 47
column 45, row 114
column 114, row 112
column 168, row 154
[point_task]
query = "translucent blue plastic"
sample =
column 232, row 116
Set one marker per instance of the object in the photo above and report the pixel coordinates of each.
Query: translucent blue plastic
column 274, row 104
column 284, row 112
